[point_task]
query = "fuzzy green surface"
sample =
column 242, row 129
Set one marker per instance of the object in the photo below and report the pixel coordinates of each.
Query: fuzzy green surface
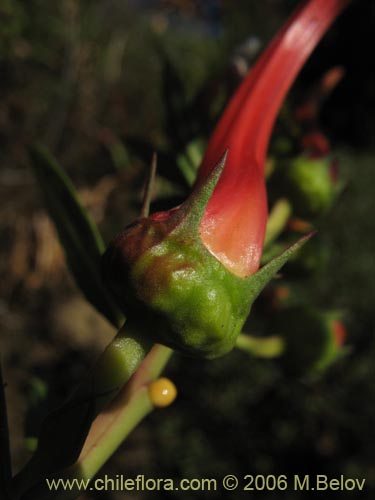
column 194, row 303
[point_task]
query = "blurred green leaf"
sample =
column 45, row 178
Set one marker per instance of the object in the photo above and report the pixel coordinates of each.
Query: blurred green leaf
column 277, row 220
column 188, row 162
column 186, row 168
column 262, row 347
column 119, row 155
column 78, row 234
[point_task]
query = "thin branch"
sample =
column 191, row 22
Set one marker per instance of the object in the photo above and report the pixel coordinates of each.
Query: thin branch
column 145, row 210
column 110, row 427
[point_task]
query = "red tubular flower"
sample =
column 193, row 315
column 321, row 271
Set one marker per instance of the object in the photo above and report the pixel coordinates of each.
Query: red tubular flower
column 234, row 222
column 190, row 274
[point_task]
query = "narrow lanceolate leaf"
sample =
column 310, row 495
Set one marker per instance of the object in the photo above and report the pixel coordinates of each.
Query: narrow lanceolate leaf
column 78, row 234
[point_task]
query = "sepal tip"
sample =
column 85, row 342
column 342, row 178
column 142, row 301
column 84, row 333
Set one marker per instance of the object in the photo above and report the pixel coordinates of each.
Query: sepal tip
column 256, row 282
column 192, row 210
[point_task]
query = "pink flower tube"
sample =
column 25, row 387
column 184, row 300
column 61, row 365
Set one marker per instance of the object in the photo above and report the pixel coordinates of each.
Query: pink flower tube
column 234, row 223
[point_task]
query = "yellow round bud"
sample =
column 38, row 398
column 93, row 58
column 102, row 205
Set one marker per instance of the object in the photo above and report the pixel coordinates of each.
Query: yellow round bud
column 162, row 392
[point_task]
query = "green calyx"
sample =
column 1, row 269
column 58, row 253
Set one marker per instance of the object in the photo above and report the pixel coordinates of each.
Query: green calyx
column 161, row 273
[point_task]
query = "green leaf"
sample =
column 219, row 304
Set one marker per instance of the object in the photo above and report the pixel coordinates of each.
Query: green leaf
column 262, row 347
column 78, row 234
column 189, row 160
column 277, row 220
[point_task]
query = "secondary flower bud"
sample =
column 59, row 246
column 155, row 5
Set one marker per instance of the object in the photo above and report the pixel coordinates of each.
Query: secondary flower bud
column 310, row 185
column 313, row 339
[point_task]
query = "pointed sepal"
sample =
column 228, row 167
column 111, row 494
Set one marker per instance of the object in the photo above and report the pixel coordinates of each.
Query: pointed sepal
column 189, row 215
column 256, row 282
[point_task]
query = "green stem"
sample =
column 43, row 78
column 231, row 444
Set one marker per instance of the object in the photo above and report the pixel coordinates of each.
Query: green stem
column 277, row 220
column 122, row 415
column 263, row 347
column 110, row 427
column 113, row 369
column 122, row 422
column 65, row 430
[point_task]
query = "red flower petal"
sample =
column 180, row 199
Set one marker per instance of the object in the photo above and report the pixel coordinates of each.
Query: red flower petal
column 234, row 223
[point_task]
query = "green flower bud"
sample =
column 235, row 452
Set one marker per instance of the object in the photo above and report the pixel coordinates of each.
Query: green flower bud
column 190, row 275
column 188, row 299
column 161, row 273
column 310, row 185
